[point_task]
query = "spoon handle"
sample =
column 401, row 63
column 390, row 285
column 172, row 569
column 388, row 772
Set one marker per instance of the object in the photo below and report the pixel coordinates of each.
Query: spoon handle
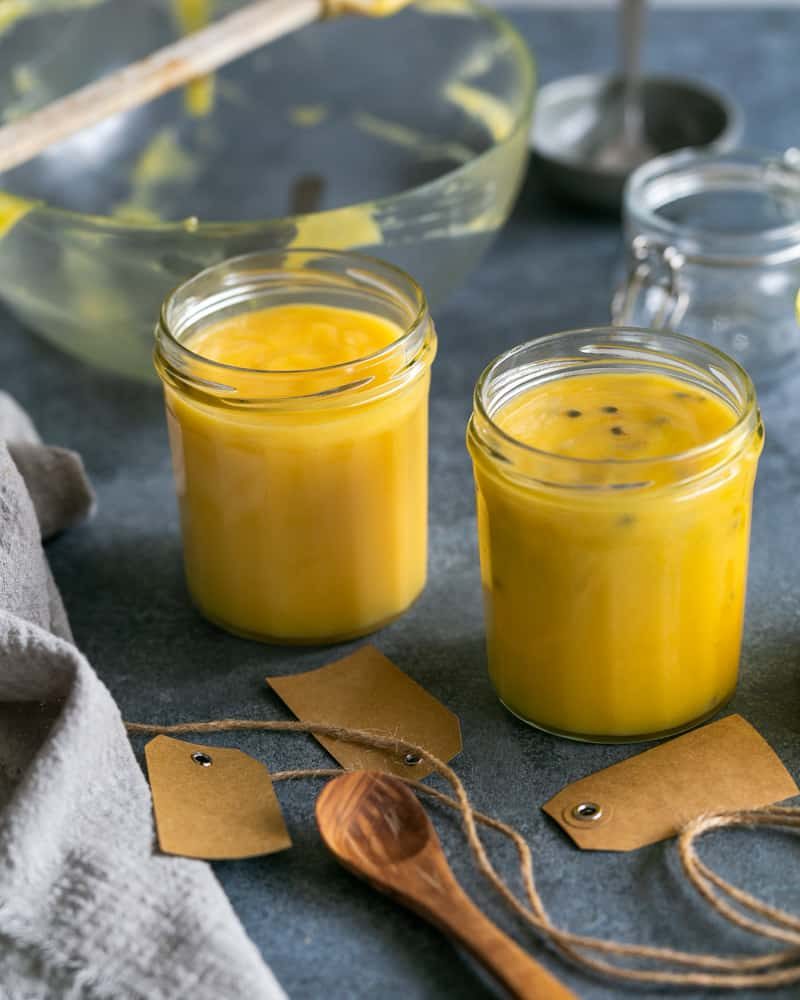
column 203, row 51
column 631, row 24
column 514, row 968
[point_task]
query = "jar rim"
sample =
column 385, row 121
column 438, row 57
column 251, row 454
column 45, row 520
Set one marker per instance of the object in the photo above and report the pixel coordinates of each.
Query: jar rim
column 367, row 262
column 703, row 242
column 625, row 335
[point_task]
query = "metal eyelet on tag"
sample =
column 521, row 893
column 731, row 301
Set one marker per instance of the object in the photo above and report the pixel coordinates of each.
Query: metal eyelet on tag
column 203, row 759
column 412, row 759
column 587, row 812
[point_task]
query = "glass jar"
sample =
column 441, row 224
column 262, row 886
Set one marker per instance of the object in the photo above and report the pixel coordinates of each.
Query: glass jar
column 714, row 252
column 614, row 589
column 303, row 494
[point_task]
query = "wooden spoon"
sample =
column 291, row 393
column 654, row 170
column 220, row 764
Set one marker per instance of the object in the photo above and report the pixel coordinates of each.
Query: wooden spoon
column 375, row 826
column 199, row 53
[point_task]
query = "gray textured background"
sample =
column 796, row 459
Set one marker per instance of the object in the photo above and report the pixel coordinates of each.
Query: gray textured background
column 323, row 932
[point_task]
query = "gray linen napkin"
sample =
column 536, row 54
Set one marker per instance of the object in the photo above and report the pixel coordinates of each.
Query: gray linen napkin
column 88, row 907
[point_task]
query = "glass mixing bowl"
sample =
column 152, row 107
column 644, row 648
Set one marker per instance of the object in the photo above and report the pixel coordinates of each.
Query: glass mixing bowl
column 404, row 137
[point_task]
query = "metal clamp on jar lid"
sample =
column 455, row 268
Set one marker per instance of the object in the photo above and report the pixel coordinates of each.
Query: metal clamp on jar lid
column 714, row 252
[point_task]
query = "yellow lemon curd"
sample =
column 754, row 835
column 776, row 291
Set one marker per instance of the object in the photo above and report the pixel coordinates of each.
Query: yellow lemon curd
column 304, row 521
column 12, row 209
column 615, row 608
column 192, row 15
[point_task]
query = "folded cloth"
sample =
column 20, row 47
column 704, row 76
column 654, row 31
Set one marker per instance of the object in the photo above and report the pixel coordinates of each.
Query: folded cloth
column 88, row 907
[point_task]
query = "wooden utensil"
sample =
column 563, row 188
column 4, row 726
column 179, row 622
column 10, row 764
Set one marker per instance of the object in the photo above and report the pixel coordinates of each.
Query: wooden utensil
column 194, row 55
column 375, row 826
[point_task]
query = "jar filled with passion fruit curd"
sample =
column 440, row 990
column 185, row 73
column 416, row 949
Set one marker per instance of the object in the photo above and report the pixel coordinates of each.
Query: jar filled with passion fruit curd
column 614, row 471
column 296, row 386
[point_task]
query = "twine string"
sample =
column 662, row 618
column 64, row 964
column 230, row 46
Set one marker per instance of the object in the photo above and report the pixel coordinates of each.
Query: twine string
column 777, row 968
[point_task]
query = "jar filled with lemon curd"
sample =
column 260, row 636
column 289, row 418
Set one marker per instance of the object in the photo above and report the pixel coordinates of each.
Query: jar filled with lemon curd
column 614, row 473
column 296, row 386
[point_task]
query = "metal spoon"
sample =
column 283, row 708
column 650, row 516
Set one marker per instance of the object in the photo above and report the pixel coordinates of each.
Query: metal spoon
column 375, row 826
column 627, row 145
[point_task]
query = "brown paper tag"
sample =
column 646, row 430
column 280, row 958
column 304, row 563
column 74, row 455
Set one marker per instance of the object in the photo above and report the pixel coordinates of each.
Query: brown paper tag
column 367, row 691
column 212, row 802
column 725, row 765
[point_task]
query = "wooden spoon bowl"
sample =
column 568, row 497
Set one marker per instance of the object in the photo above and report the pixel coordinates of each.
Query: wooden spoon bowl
column 376, row 827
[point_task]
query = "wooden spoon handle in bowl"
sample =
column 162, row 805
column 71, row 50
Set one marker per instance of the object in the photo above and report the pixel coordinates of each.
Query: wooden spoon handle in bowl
column 199, row 53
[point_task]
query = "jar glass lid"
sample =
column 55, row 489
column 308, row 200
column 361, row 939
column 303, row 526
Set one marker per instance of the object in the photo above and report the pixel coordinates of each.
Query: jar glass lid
column 744, row 204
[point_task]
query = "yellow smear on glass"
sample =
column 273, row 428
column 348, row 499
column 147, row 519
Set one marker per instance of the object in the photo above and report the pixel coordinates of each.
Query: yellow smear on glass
column 12, row 209
column 127, row 212
column 478, row 62
column 12, row 11
column 401, row 135
column 161, row 162
column 341, row 229
column 451, row 8
column 28, row 89
column 307, row 115
column 198, row 96
column 494, row 114
column 23, row 78
column 368, row 8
